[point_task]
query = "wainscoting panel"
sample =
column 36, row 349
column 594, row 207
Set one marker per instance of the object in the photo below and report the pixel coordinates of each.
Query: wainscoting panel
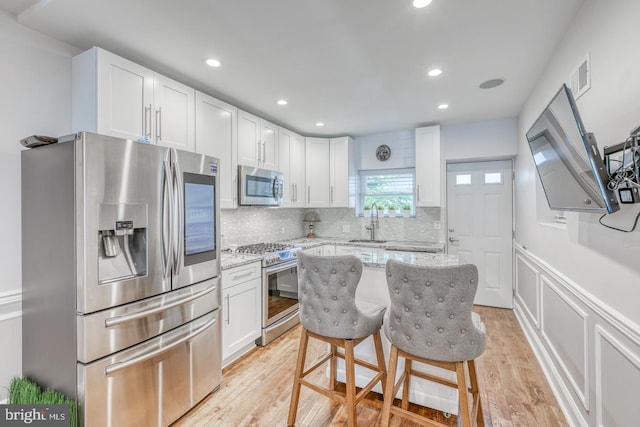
column 589, row 353
column 11, row 338
column 528, row 289
column 564, row 327
column 617, row 379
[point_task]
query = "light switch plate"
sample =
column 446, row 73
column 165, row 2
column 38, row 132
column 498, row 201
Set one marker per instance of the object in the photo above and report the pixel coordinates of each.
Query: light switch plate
column 346, row 228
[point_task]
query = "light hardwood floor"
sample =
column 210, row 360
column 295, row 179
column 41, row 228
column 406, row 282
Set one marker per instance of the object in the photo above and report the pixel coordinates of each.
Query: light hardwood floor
column 256, row 389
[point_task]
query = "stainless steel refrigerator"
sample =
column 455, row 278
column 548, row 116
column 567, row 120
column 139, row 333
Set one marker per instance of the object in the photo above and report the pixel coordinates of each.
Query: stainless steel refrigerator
column 121, row 277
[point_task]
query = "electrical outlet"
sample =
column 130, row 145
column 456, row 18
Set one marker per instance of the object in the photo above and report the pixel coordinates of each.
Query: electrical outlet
column 346, row 228
column 436, row 225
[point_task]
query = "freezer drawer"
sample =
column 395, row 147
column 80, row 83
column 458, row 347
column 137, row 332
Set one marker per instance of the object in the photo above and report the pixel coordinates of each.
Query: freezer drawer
column 109, row 331
column 156, row 382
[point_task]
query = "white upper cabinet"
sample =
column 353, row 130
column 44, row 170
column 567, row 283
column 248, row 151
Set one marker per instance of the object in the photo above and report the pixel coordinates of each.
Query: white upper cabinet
column 318, row 172
column 291, row 162
column 427, row 142
column 174, row 109
column 329, row 167
column 340, row 171
column 114, row 96
column 257, row 142
column 216, row 135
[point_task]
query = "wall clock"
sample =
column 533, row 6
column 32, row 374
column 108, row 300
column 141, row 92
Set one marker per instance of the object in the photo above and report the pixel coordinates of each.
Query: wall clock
column 383, row 152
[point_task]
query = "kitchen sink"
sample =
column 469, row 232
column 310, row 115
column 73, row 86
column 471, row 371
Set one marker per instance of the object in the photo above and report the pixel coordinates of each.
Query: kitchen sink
column 366, row 241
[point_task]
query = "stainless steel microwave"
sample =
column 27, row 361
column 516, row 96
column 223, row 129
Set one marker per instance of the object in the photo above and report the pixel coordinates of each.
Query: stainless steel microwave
column 259, row 187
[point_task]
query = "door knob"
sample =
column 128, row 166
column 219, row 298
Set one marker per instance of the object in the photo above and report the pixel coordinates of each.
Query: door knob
column 451, row 230
column 451, row 239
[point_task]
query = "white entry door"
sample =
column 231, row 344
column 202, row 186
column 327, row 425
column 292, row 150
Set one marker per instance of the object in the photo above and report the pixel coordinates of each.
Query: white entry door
column 480, row 225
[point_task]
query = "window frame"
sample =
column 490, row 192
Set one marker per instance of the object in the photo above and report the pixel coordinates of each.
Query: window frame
column 362, row 189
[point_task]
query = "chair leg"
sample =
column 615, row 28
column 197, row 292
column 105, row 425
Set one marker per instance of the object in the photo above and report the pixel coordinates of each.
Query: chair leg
column 380, row 357
column 388, row 388
column 333, row 367
column 295, row 394
column 463, row 397
column 350, row 368
column 475, row 392
column 406, row 384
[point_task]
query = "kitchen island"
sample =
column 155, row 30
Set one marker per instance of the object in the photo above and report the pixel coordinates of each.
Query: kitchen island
column 373, row 288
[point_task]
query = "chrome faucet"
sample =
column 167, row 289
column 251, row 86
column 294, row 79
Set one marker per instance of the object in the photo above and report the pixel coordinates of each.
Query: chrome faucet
column 374, row 222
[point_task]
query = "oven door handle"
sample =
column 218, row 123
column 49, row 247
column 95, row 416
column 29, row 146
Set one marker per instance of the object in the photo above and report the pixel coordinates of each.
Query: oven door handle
column 118, row 320
column 281, row 267
column 118, row 366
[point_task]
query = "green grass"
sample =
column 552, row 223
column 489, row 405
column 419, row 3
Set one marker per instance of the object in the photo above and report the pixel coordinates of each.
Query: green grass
column 23, row 391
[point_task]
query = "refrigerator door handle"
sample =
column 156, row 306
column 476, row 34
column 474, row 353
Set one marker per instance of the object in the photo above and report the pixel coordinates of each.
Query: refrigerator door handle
column 167, row 218
column 118, row 366
column 118, row 320
column 179, row 205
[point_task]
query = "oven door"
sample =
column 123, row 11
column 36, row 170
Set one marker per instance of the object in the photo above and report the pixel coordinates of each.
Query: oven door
column 280, row 292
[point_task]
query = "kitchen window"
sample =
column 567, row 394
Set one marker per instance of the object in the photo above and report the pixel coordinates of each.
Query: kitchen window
column 392, row 190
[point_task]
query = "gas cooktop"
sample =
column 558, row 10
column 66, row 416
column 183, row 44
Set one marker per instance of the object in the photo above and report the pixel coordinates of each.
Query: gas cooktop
column 272, row 253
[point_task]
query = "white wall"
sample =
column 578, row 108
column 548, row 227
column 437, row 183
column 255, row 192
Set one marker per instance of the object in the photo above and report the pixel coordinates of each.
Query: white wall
column 603, row 262
column 35, row 83
column 401, row 143
column 578, row 287
column 489, row 139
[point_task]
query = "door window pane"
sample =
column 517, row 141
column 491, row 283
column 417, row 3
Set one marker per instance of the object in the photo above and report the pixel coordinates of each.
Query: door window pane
column 493, row 178
column 463, row 179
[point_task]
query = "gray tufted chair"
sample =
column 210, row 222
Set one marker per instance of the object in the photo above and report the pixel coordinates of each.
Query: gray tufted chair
column 430, row 320
column 329, row 312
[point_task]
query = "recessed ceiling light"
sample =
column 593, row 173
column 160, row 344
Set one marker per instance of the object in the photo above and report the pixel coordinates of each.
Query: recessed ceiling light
column 215, row 63
column 282, row 102
column 435, row 72
column 443, row 106
column 319, row 124
column 419, row 4
column 490, row 84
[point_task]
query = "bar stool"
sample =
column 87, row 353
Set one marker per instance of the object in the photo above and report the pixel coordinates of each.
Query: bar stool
column 430, row 321
column 329, row 312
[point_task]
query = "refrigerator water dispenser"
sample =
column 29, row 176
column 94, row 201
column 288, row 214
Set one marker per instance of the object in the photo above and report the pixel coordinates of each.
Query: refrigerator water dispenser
column 122, row 252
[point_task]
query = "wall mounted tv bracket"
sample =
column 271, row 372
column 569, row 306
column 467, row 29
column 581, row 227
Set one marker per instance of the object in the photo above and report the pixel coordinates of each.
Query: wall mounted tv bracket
column 622, row 162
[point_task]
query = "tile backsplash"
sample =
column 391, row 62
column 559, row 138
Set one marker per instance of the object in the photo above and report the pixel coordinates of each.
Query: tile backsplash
column 246, row 225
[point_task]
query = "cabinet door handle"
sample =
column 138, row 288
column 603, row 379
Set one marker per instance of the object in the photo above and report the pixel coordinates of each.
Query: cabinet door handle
column 331, row 194
column 158, row 124
column 258, row 151
column 418, row 191
column 228, row 314
column 147, row 122
column 309, row 194
column 264, row 151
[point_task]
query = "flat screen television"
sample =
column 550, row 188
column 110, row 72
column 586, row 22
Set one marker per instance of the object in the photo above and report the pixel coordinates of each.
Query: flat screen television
column 568, row 161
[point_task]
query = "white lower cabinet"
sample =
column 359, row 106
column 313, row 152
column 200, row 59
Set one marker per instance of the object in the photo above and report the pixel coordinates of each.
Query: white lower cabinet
column 328, row 249
column 314, row 251
column 241, row 310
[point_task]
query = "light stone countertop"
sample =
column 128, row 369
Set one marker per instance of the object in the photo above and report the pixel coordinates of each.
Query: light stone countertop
column 372, row 254
column 378, row 257
column 230, row 260
column 397, row 245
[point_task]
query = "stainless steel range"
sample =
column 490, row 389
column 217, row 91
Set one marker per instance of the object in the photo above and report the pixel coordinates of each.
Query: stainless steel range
column 279, row 288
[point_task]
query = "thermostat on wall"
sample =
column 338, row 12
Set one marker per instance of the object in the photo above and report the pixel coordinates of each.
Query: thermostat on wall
column 629, row 195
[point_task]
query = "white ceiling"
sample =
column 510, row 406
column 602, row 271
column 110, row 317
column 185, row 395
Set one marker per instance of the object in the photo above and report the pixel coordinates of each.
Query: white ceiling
column 359, row 66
